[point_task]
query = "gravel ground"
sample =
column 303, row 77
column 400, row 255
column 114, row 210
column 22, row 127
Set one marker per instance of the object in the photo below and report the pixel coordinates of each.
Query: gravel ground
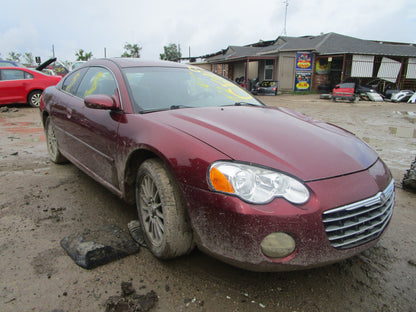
column 41, row 203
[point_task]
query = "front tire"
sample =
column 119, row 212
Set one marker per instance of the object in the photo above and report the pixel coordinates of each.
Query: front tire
column 34, row 98
column 161, row 210
column 52, row 143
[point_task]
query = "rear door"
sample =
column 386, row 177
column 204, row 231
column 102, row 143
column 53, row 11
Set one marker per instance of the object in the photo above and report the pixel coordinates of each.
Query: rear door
column 13, row 85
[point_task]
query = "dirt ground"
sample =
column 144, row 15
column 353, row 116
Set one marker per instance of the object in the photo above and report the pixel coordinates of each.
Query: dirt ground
column 41, row 203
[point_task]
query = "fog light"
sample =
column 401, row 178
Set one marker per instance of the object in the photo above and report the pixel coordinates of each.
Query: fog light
column 277, row 245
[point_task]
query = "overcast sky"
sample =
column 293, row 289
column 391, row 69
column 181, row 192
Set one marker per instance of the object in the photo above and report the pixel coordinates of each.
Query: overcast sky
column 203, row 26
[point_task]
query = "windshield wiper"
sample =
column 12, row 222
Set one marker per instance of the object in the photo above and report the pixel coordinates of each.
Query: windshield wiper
column 153, row 110
column 245, row 104
column 179, row 106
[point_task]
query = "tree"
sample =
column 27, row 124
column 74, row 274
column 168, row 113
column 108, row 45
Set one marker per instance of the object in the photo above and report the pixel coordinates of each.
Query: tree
column 81, row 57
column 132, row 50
column 28, row 59
column 15, row 57
column 67, row 64
column 172, row 53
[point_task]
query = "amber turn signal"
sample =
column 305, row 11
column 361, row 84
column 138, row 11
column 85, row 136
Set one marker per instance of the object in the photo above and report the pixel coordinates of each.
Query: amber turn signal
column 219, row 181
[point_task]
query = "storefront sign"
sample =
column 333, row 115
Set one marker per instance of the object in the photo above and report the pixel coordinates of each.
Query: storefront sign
column 304, row 61
column 303, row 81
column 323, row 67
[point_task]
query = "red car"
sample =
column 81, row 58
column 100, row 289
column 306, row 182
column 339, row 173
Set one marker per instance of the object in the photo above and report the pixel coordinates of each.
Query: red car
column 344, row 91
column 207, row 164
column 23, row 85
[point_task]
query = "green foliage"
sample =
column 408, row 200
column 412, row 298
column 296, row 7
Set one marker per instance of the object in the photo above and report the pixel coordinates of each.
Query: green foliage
column 67, row 64
column 17, row 57
column 14, row 56
column 28, row 59
column 83, row 57
column 131, row 50
column 172, row 53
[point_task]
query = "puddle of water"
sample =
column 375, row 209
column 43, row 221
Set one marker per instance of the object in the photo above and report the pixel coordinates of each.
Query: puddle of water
column 403, row 132
column 25, row 128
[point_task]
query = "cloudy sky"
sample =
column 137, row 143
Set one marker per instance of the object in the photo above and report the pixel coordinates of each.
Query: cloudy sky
column 201, row 26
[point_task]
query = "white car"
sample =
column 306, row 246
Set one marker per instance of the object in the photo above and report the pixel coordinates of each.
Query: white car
column 402, row 96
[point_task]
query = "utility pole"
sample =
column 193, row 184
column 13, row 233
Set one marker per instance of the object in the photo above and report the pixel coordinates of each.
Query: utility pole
column 286, row 3
column 53, row 51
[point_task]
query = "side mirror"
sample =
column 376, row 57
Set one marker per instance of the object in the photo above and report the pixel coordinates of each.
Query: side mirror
column 100, row 101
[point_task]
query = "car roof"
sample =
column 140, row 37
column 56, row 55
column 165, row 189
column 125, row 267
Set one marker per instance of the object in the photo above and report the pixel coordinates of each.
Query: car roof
column 125, row 62
column 14, row 67
column 26, row 69
column 9, row 62
column 20, row 68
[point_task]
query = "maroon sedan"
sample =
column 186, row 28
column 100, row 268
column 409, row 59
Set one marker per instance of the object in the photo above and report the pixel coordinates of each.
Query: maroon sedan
column 23, row 85
column 207, row 164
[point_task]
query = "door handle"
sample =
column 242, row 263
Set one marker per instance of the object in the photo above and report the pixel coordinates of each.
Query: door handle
column 68, row 113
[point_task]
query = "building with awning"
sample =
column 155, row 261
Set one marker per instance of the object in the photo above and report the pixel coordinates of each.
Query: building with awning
column 319, row 62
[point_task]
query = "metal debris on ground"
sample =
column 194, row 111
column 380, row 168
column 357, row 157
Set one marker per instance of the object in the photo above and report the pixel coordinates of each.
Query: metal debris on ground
column 93, row 248
column 130, row 301
column 136, row 232
column 409, row 179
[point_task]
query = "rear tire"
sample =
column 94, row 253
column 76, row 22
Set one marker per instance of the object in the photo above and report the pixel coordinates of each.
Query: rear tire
column 52, row 144
column 162, row 212
column 34, row 98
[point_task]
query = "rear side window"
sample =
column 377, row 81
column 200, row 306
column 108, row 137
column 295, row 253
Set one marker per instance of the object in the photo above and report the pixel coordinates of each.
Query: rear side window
column 14, row 74
column 97, row 80
column 347, row 85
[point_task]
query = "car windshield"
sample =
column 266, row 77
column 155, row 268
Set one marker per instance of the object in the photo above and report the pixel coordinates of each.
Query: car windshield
column 162, row 88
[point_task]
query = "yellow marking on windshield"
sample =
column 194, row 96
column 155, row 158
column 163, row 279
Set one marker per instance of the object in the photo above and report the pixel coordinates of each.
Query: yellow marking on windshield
column 195, row 69
column 229, row 93
column 199, row 81
column 224, row 87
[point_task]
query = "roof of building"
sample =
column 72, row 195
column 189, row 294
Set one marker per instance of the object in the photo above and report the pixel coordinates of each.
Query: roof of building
column 236, row 52
column 325, row 44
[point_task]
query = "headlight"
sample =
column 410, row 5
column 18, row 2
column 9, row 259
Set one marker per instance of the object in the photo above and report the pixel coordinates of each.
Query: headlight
column 255, row 184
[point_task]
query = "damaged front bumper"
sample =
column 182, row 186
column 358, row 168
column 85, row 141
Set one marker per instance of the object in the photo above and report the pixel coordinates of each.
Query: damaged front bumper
column 280, row 236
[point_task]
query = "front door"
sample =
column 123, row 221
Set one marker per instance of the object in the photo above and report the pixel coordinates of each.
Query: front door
column 287, row 72
column 90, row 135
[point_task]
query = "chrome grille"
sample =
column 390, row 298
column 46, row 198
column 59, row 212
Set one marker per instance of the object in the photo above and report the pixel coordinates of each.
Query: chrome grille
column 358, row 223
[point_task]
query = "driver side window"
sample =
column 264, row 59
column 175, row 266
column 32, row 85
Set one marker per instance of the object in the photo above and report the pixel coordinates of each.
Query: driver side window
column 97, row 80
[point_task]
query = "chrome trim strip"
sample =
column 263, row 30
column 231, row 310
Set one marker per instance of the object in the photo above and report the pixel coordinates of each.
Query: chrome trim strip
column 366, row 202
column 366, row 219
column 357, row 223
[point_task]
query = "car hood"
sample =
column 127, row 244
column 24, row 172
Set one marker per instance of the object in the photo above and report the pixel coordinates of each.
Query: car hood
column 278, row 138
column 46, row 64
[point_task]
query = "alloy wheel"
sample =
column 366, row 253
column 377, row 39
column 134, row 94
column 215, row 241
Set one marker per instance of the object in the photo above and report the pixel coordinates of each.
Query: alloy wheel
column 151, row 211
